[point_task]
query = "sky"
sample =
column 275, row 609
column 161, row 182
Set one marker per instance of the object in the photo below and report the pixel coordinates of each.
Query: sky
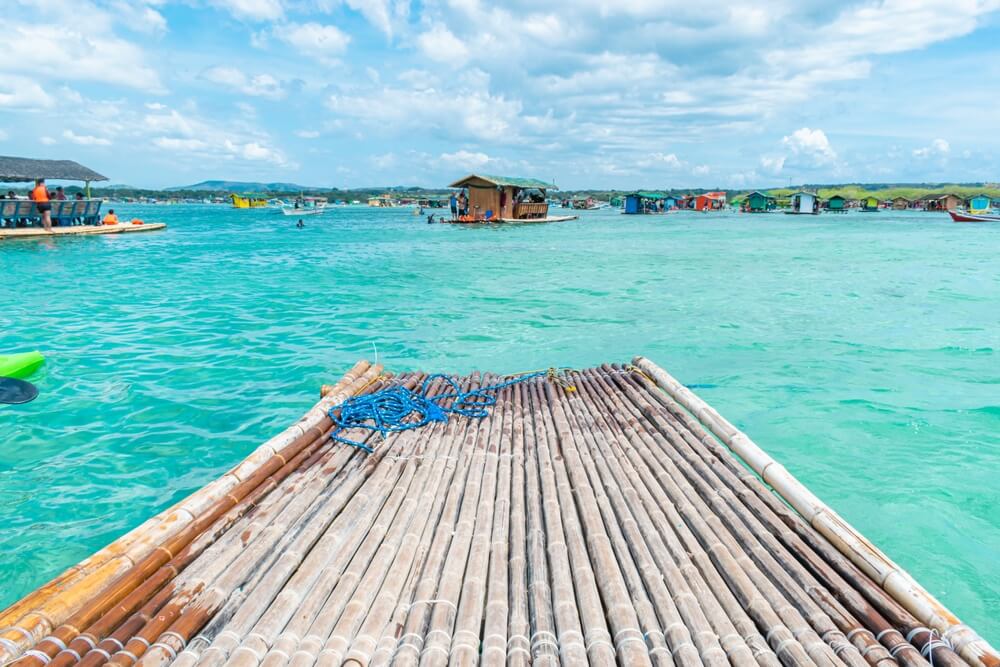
column 587, row 93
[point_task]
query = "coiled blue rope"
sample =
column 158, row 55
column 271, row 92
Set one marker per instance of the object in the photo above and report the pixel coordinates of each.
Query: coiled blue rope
column 387, row 411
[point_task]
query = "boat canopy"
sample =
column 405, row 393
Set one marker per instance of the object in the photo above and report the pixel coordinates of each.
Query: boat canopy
column 23, row 170
column 480, row 180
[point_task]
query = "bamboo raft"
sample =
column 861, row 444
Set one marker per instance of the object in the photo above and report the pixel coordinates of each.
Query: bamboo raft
column 605, row 516
column 78, row 230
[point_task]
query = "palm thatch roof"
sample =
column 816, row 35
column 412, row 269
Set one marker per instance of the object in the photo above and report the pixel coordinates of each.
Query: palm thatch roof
column 503, row 181
column 21, row 170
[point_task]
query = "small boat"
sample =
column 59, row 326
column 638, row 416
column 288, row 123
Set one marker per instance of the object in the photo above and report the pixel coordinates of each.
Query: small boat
column 20, row 365
column 306, row 206
column 248, row 201
column 961, row 216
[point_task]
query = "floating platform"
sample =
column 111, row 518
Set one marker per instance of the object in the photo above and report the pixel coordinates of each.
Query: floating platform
column 604, row 516
column 518, row 221
column 38, row 232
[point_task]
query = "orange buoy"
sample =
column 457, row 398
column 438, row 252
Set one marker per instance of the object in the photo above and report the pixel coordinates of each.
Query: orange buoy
column 137, row 221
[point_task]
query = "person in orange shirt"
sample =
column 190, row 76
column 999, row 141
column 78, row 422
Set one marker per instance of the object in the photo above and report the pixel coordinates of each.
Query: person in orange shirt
column 110, row 218
column 40, row 195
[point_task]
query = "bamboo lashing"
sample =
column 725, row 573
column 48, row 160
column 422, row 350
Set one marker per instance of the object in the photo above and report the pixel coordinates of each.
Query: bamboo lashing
column 591, row 517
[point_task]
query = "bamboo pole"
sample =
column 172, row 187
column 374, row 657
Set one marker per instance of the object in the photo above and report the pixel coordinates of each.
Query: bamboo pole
column 725, row 612
column 541, row 643
column 569, row 637
column 417, row 614
column 597, row 551
column 438, row 640
column 267, row 604
column 517, row 648
column 53, row 604
column 659, row 574
column 828, row 586
column 629, row 552
column 468, row 618
column 788, row 631
column 558, row 501
column 900, row 585
column 742, row 531
column 375, row 596
column 496, row 616
column 413, row 549
column 288, row 641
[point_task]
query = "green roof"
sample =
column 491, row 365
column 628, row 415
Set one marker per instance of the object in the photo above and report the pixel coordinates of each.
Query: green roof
column 506, row 181
column 653, row 195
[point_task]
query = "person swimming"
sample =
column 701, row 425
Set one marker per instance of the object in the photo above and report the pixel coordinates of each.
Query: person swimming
column 300, row 224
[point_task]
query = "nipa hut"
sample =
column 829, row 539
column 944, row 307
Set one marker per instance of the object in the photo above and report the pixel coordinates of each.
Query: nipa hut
column 759, row 202
column 594, row 517
column 506, row 199
column 804, row 203
column 941, row 203
column 980, row 204
column 901, row 203
column 869, row 204
column 836, row 204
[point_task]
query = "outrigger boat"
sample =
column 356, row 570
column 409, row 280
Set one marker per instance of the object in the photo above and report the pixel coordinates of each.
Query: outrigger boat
column 248, row 201
column 961, row 216
column 306, row 206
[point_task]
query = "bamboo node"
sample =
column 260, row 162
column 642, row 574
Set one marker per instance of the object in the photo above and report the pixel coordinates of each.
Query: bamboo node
column 52, row 639
column 119, row 646
column 44, row 657
column 76, row 656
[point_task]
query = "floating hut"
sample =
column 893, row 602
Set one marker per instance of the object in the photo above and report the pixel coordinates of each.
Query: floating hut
column 804, row 203
column 759, row 202
column 942, row 203
column 836, row 204
column 980, row 204
column 382, row 201
column 710, row 201
column 594, row 517
column 900, row 203
column 870, row 204
column 20, row 218
column 506, row 199
column 649, row 202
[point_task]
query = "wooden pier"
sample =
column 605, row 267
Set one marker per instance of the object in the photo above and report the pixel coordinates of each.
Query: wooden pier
column 605, row 516
column 79, row 230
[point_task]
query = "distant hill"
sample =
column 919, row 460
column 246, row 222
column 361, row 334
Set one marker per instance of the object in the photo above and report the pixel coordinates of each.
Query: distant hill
column 243, row 187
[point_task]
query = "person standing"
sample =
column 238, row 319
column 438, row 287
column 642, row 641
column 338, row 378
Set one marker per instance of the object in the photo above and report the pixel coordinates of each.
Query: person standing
column 40, row 195
column 453, row 202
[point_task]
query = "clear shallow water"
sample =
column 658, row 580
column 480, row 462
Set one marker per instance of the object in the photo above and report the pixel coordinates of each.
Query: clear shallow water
column 860, row 350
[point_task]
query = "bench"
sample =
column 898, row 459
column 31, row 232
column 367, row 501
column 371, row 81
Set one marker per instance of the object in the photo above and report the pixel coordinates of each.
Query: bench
column 24, row 213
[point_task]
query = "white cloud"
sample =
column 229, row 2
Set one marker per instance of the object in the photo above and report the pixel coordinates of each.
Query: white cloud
column 254, row 10
column 48, row 141
column 772, row 164
column 307, row 134
column 701, row 170
column 3, row 135
column 18, row 92
column 315, row 40
column 233, row 78
column 76, row 42
column 466, row 160
column 938, row 148
column 85, row 139
column 811, row 144
column 441, row 45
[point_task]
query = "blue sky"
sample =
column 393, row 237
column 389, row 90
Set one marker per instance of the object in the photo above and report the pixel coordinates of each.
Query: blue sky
column 589, row 93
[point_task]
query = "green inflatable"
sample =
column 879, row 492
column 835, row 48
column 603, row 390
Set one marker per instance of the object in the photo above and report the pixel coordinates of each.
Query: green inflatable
column 20, row 365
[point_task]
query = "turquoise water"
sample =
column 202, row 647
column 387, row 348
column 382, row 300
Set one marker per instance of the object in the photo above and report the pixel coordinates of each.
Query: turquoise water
column 860, row 350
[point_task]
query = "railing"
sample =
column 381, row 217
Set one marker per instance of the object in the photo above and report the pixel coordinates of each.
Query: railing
column 530, row 210
column 24, row 213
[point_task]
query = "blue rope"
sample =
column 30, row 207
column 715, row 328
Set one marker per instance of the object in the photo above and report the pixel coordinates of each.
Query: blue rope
column 387, row 410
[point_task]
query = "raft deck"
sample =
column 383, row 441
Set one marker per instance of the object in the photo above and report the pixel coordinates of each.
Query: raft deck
column 38, row 232
column 551, row 218
column 605, row 516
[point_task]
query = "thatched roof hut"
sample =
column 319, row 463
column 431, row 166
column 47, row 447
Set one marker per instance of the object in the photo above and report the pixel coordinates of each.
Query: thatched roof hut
column 498, row 197
column 23, row 170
